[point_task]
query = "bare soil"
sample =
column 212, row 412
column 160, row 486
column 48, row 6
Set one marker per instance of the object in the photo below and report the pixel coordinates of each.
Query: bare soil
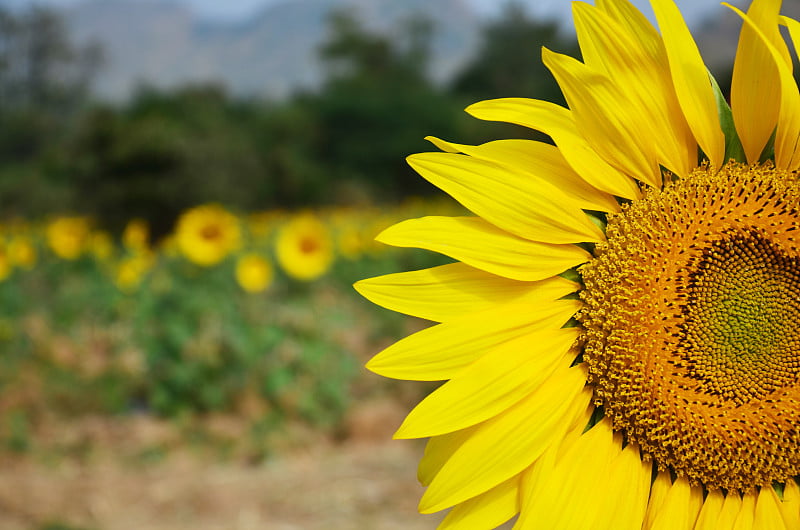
column 352, row 486
column 135, row 473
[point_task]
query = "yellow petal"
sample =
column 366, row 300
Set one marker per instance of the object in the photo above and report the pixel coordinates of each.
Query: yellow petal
column 540, row 161
column 528, row 207
column 730, row 510
column 637, row 25
column 484, row 246
column 755, row 78
column 488, row 510
column 490, row 385
column 691, row 81
column 558, row 123
column 790, row 506
column 768, row 513
column 438, row 451
column 680, row 508
column 440, row 352
column 710, row 514
column 744, row 521
column 540, row 473
column 503, row 446
column 787, row 155
column 645, row 90
column 585, row 465
column 658, row 493
column 604, row 117
column 789, row 120
column 627, row 491
column 450, row 291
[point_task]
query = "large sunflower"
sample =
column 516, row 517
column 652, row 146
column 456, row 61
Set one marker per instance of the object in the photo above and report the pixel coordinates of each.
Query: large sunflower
column 619, row 335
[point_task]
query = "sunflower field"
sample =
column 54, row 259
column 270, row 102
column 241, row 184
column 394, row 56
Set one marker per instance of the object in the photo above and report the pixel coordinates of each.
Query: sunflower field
column 250, row 316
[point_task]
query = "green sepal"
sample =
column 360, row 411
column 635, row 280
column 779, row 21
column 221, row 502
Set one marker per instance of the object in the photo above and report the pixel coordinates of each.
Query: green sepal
column 572, row 275
column 598, row 218
column 733, row 145
column 769, row 150
column 597, row 415
column 779, row 488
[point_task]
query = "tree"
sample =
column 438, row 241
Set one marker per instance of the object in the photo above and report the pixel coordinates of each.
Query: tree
column 377, row 105
column 162, row 153
column 40, row 66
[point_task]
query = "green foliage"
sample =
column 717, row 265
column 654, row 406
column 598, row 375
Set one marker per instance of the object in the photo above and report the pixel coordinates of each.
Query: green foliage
column 164, row 153
column 186, row 343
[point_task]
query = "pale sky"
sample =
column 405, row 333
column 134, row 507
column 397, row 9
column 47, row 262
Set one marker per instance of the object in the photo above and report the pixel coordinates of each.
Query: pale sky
column 239, row 9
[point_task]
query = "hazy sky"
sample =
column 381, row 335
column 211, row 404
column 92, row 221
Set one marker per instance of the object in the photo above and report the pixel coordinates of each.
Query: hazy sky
column 237, row 9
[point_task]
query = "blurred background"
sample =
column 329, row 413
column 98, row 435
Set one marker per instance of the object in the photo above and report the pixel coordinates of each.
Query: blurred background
column 188, row 190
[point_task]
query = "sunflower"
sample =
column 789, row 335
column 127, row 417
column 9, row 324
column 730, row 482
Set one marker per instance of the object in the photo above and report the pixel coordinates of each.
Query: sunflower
column 136, row 235
column 68, row 236
column 101, row 245
column 131, row 270
column 304, row 247
column 207, row 234
column 21, row 252
column 618, row 336
column 253, row 272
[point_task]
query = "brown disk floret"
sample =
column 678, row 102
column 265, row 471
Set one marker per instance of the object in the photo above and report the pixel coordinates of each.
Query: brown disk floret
column 692, row 326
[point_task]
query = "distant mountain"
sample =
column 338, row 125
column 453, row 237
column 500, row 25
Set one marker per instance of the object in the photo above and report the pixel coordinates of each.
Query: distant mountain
column 165, row 44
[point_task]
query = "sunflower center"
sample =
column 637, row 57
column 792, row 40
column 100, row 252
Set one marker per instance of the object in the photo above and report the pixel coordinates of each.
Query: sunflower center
column 308, row 245
column 742, row 312
column 210, row 232
column 691, row 319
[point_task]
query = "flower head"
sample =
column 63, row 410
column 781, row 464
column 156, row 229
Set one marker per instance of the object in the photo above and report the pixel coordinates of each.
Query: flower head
column 304, row 247
column 131, row 270
column 68, row 236
column 21, row 252
column 253, row 272
column 207, row 234
column 101, row 245
column 136, row 235
column 618, row 335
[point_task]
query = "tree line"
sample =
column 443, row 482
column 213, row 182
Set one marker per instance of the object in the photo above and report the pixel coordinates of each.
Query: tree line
column 163, row 151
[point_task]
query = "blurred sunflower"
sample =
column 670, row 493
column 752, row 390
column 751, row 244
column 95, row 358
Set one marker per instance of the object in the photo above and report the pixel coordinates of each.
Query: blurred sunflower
column 253, row 272
column 21, row 252
column 347, row 227
column 350, row 241
column 304, row 248
column 207, row 234
column 136, row 235
column 664, row 394
column 130, row 271
column 101, row 245
column 68, row 237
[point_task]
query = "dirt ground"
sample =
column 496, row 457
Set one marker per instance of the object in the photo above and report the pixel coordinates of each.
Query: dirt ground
column 90, row 474
column 369, row 486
